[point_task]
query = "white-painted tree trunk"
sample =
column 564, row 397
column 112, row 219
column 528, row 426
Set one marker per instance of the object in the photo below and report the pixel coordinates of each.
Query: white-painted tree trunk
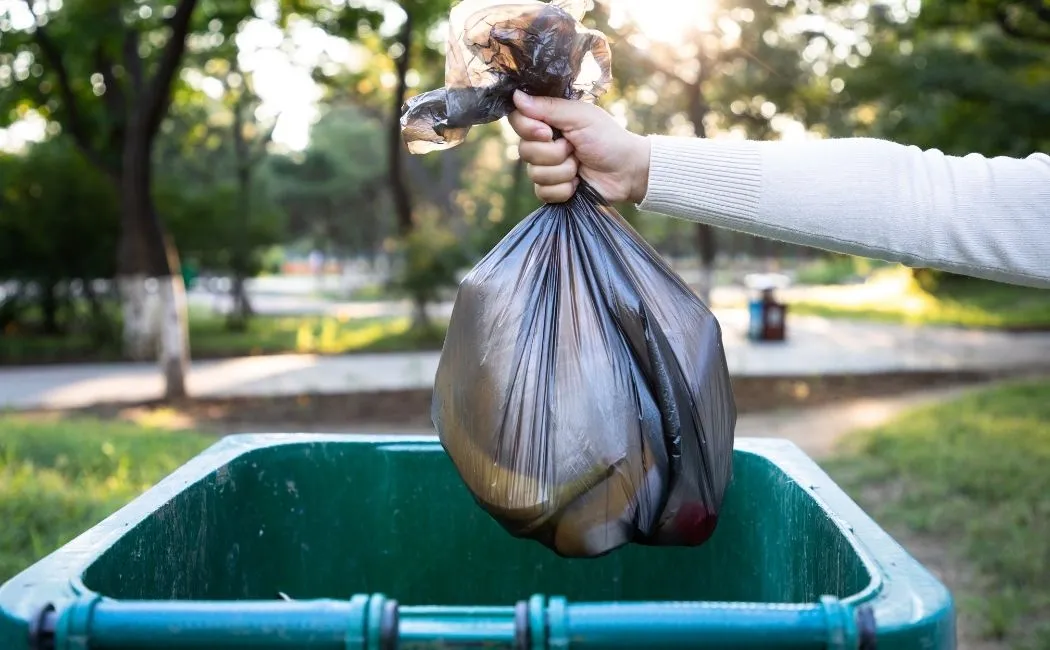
column 420, row 317
column 155, row 326
column 174, row 336
column 140, row 306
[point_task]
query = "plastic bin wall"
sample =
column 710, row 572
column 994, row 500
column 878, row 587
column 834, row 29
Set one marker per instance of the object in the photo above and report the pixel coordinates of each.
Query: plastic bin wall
column 378, row 545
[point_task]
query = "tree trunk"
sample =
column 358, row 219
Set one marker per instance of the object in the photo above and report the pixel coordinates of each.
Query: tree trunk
column 49, row 306
column 153, row 295
column 240, row 305
column 174, row 335
column 241, row 309
column 395, row 144
column 706, row 244
column 420, row 317
column 516, row 200
column 402, row 199
column 100, row 328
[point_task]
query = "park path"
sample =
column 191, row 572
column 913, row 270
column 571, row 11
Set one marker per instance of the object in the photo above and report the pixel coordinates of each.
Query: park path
column 816, row 346
column 819, row 430
column 816, row 430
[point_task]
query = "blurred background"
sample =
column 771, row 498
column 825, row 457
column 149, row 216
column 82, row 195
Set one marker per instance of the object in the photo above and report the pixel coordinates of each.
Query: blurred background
column 209, row 224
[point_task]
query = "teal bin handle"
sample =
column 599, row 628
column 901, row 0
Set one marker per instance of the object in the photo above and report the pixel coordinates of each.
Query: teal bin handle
column 378, row 623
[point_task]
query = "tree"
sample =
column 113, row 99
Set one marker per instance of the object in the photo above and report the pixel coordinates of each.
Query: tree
column 59, row 222
column 962, row 77
column 402, row 55
column 249, row 141
column 97, row 70
column 419, row 17
column 335, row 192
column 738, row 70
column 431, row 257
column 103, row 72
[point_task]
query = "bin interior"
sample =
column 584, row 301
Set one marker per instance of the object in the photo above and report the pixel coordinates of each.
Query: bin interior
column 334, row 518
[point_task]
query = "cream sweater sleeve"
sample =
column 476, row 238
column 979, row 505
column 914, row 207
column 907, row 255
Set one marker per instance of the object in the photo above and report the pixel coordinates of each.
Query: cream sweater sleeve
column 985, row 217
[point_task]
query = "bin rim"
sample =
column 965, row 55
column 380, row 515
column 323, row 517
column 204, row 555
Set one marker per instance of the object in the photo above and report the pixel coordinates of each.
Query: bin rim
column 47, row 581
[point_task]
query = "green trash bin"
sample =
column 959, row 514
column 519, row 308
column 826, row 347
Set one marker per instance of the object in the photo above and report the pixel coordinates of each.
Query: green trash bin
column 367, row 542
column 190, row 272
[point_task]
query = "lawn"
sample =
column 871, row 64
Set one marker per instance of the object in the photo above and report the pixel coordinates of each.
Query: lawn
column 310, row 334
column 209, row 338
column 60, row 477
column 970, row 479
column 892, row 296
column 837, row 269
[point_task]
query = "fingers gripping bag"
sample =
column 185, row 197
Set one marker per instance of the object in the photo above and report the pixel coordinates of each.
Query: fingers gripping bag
column 582, row 392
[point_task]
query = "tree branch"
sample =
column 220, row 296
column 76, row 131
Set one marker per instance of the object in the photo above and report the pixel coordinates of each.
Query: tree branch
column 1002, row 18
column 259, row 153
column 1041, row 9
column 132, row 61
column 116, row 100
column 655, row 68
column 158, row 93
column 65, row 88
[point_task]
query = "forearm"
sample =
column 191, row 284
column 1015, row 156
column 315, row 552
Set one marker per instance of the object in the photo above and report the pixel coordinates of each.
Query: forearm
column 986, row 217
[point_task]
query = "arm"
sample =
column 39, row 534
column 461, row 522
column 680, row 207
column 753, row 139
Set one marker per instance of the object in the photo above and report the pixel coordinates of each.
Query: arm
column 985, row 217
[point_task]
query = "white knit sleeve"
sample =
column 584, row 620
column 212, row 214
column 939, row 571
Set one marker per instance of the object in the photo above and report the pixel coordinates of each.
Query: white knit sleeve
column 985, row 217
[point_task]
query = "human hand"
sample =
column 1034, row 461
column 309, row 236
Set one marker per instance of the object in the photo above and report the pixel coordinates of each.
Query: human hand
column 593, row 147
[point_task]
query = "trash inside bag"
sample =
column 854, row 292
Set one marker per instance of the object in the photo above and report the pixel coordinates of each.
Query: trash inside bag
column 582, row 391
column 495, row 48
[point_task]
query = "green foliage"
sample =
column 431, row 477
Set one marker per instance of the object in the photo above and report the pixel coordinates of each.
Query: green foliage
column 308, row 335
column 739, row 74
column 58, row 478
column 958, row 78
column 334, row 193
column 970, row 476
column 58, row 216
column 430, row 258
column 204, row 223
column 837, row 269
column 58, row 225
column 210, row 338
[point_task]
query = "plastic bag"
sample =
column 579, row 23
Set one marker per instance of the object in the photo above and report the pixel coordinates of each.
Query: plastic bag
column 496, row 47
column 582, row 391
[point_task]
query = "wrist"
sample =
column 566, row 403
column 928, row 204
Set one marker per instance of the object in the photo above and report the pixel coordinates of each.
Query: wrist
column 639, row 169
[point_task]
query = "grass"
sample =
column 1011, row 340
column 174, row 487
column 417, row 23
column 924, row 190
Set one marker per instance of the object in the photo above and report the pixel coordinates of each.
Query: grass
column 310, row 334
column 973, row 476
column 367, row 293
column 209, row 338
column 60, row 477
column 837, row 269
column 892, row 296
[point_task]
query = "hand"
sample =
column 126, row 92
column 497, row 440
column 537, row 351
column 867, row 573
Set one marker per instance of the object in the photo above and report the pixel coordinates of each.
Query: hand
column 593, row 147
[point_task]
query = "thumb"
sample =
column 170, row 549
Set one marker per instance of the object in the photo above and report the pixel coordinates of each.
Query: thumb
column 562, row 114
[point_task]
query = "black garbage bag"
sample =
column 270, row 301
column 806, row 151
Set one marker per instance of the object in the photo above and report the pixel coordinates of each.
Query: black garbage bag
column 582, row 391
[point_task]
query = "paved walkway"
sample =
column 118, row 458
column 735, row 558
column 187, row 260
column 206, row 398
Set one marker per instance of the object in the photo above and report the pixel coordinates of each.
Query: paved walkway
column 816, row 346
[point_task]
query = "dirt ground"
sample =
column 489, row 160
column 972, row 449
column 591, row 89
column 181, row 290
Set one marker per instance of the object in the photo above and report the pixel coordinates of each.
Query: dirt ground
column 409, row 410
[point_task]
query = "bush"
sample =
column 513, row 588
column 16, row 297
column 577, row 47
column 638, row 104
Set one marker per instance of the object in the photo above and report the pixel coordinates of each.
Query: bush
column 59, row 223
column 430, row 258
